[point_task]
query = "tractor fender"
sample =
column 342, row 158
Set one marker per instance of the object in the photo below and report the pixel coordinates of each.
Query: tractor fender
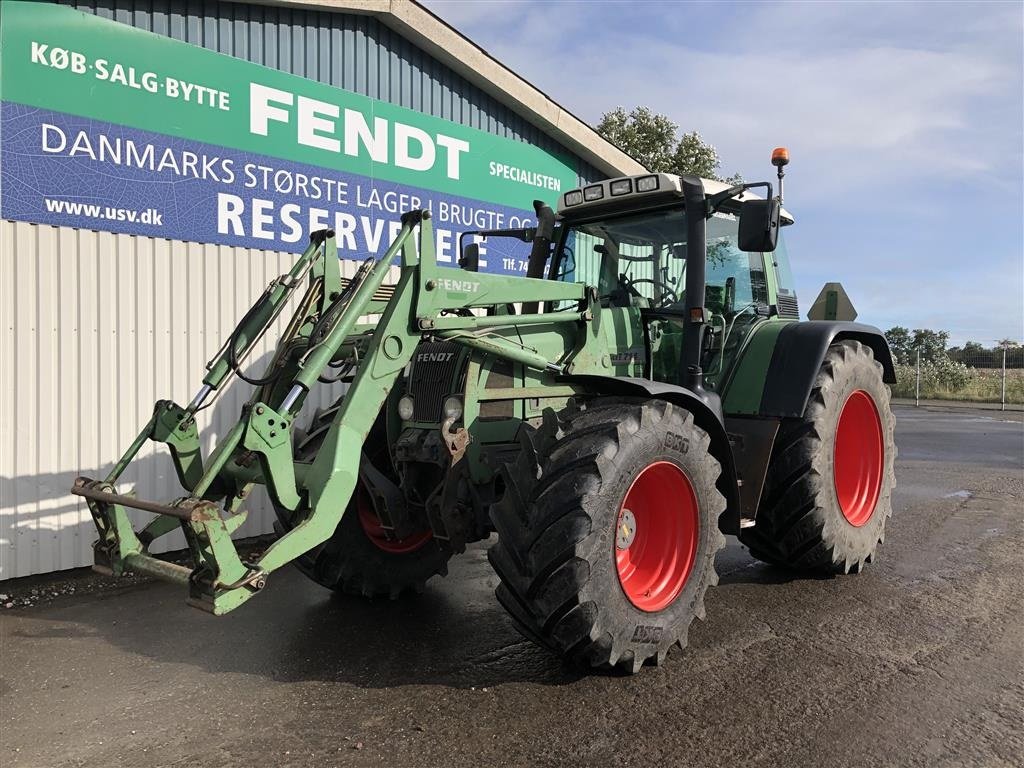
column 799, row 352
column 704, row 416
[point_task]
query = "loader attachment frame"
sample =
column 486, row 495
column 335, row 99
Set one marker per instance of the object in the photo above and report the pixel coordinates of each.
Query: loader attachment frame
column 323, row 335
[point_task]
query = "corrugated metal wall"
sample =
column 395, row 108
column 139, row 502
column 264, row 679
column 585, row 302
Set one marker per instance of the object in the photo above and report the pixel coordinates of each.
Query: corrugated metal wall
column 96, row 327
column 357, row 53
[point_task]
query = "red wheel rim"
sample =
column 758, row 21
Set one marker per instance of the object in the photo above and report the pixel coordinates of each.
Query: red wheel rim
column 859, row 455
column 376, row 532
column 656, row 537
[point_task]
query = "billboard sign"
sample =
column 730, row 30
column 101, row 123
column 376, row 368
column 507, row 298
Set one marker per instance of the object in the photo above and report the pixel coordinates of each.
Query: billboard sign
column 108, row 127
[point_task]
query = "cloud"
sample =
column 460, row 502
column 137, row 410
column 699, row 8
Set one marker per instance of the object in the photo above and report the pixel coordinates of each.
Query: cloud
column 850, row 108
column 904, row 121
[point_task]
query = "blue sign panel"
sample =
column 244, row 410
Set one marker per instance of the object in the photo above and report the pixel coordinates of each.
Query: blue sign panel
column 66, row 170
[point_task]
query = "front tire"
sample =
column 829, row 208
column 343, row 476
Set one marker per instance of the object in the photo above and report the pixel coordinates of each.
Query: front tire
column 828, row 491
column 607, row 532
column 360, row 558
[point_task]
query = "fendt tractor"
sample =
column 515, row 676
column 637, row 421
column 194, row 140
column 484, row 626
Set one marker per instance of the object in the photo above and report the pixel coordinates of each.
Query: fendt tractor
column 646, row 388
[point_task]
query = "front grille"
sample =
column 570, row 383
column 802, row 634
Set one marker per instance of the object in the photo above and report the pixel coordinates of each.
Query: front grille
column 788, row 307
column 433, row 378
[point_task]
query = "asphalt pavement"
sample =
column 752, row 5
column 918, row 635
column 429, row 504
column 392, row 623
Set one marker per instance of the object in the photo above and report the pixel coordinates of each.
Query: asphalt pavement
column 915, row 662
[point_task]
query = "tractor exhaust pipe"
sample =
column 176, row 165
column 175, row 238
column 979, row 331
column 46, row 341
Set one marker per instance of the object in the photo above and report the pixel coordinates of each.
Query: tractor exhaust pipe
column 541, row 248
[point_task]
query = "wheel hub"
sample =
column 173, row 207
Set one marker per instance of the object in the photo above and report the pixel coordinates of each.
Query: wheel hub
column 626, row 530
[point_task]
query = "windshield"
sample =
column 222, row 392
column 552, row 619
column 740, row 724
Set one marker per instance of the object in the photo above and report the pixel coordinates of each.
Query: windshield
column 631, row 258
column 640, row 260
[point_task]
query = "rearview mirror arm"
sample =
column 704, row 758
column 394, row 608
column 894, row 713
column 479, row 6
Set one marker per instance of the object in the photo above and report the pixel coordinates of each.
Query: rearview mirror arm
column 716, row 200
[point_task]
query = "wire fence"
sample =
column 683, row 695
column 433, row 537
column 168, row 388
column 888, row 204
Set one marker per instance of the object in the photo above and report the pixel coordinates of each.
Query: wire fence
column 970, row 375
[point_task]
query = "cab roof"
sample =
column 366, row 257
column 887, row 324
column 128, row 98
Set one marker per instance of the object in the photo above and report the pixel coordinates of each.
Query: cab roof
column 653, row 187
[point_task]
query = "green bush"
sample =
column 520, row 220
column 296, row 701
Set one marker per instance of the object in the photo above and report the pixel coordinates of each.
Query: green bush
column 944, row 373
column 950, row 380
column 939, row 378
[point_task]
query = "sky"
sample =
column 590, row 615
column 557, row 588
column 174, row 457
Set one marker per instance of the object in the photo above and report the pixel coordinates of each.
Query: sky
column 904, row 122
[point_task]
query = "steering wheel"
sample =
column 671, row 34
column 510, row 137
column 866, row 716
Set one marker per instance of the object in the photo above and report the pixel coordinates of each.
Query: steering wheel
column 668, row 295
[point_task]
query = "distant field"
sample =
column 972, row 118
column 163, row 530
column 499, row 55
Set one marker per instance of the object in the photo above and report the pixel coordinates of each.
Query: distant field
column 982, row 387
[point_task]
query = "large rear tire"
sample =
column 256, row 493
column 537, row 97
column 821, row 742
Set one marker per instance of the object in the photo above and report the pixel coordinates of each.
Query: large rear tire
column 607, row 532
column 360, row 558
column 828, row 492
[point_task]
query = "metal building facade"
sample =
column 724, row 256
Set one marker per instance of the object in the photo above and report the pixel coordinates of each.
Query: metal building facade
column 353, row 52
column 92, row 338
column 97, row 326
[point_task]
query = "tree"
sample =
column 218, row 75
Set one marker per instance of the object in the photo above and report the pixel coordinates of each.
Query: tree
column 905, row 344
column 900, row 344
column 931, row 344
column 653, row 140
column 973, row 354
column 647, row 137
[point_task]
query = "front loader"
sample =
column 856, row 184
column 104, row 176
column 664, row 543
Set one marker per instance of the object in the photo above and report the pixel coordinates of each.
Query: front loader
column 645, row 388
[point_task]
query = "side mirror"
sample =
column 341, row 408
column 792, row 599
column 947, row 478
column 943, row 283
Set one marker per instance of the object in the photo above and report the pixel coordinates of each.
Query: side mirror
column 759, row 225
column 470, row 260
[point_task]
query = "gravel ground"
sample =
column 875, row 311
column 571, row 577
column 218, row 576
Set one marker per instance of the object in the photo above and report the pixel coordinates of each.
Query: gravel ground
column 916, row 662
column 36, row 591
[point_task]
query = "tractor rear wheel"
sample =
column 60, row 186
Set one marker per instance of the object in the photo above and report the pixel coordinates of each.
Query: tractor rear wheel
column 828, row 491
column 361, row 558
column 607, row 532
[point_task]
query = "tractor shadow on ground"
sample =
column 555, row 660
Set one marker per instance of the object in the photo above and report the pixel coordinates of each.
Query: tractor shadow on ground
column 454, row 635
column 756, row 572
column 433, row 639
column 736, row 565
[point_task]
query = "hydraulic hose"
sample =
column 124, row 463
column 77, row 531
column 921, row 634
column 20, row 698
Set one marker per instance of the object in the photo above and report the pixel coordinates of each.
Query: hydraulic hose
column 362, row 290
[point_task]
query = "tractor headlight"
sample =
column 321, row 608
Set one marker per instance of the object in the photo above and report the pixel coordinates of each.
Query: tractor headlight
column 621, row 187
column 405, row 408
column 596, row 192
column 647, row 184
column 452, row 408
column 574, row 198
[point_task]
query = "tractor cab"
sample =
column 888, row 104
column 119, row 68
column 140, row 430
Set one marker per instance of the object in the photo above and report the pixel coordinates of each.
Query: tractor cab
column 628, row 237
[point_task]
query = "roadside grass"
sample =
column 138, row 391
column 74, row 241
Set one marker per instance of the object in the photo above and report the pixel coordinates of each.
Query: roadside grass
column 983, row 385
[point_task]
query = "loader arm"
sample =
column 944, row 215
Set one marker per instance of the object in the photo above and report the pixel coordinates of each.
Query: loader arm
column 322, row 335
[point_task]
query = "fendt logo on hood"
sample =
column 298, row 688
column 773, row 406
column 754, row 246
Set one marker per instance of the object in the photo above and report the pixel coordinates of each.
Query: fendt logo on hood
column 463, row 286
column 434, row 357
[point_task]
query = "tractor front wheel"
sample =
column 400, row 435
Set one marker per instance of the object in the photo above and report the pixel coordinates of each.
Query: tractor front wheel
column 828, row 492
column 361, row 557
column 607, row 532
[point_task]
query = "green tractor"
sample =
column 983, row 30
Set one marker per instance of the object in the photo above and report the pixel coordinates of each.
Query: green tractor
column 643, row 390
